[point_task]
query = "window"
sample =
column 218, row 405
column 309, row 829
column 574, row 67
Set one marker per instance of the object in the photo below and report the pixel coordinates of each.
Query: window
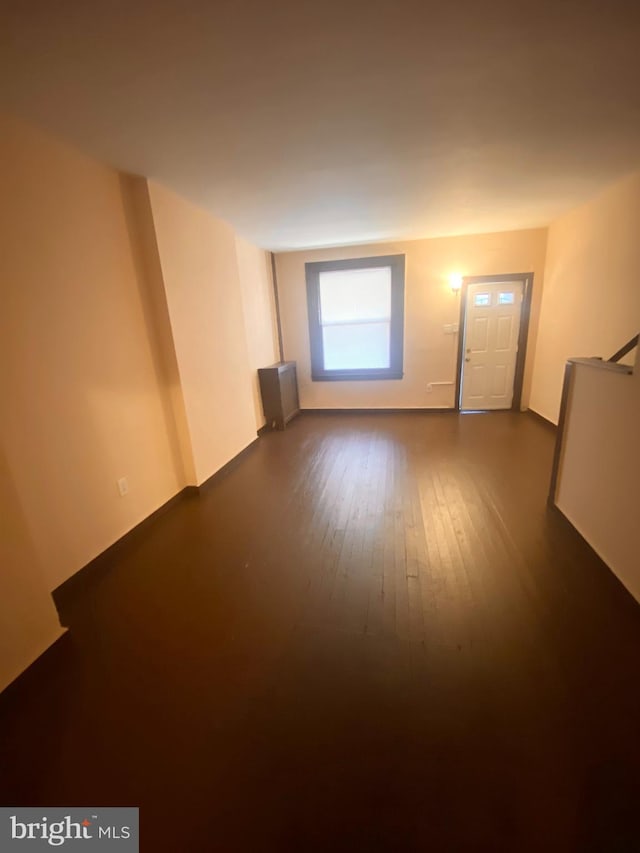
column 482, row 299
column 356, row 318
column 506, row 299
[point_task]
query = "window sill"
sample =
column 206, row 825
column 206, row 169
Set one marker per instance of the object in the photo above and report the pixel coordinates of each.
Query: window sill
column 355, row 376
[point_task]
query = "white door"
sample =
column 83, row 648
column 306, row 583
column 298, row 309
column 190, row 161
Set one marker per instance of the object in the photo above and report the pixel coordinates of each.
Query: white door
column 490, row 346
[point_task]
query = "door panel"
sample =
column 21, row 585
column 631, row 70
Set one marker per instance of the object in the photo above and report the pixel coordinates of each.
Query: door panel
column 477, row 380
column 500, row 376
column 504, row 336
column 480, row 334
column 492, row 326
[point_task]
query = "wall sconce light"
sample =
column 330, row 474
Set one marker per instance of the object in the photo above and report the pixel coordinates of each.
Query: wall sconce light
column 455, row 280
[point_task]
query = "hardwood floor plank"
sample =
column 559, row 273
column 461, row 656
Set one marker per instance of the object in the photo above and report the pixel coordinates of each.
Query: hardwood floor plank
column 372, row 634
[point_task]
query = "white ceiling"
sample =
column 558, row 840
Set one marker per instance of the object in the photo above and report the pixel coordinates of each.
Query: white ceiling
column 319, row 123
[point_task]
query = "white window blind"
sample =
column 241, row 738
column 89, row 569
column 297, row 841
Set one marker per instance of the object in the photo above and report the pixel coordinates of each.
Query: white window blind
column 355, row 317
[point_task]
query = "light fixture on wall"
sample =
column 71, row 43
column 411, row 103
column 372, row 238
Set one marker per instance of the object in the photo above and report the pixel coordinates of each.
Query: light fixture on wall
column 455, row 280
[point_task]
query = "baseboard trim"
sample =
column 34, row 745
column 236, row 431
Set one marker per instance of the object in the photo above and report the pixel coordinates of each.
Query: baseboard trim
column 221, row 473
column 542, row 420
column 390, row 411
column 555, row 509
column 99, row 564
column 70, row 588
column 20, row 676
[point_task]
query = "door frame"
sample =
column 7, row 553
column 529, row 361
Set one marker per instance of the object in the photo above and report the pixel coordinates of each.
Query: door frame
column 527, row 282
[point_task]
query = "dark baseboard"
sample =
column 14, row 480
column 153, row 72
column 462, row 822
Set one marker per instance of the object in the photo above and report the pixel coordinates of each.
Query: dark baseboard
column 69, row 589
column 30, row 680
column 221, row 473
column 96, row 567
column 264, row 430
column 554, row 509
column 542, row 420
column 435, row 411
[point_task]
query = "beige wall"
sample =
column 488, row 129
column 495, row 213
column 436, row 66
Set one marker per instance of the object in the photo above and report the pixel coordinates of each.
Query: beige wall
column 84, row 401
column 135, row 193
column 254, row 269
column 600, row 470
column 202, row 286
column 429, row 354
column 28, row 619
column 123, row 353
column 591, row 303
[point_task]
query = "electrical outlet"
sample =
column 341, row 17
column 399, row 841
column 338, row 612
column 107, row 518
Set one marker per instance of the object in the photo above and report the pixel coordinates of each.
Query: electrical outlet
column 123, row 486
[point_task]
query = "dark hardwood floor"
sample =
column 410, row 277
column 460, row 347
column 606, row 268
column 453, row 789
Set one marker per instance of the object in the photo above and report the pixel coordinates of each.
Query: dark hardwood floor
column 371, row 635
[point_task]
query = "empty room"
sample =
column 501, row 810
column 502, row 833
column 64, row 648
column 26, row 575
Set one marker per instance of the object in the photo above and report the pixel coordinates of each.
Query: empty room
column 319, row 453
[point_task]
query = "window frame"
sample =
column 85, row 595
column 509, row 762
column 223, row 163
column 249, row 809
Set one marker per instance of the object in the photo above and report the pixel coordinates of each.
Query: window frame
column 396, row 322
